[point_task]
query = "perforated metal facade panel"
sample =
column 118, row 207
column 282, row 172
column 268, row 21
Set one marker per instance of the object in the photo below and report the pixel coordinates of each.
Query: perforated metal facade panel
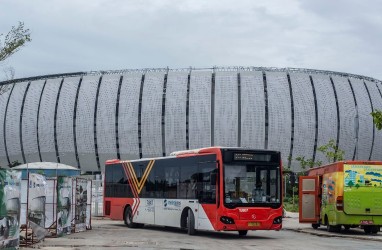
column 347, row 113
column 128, row 116
column 12, row 125
column 226, row 109
column 106, row 108
column 252, row 109
column 6, row 90
column 365, row 120
column 200, row 109
column 46, row 120
column 377, row 104
column 29, row 124
column 279, row 108
column 304, row 117
column 151, row 117
column 327, row 112
column 175, row 113
column 85, row 123
column 163, row 126
column 65, row 116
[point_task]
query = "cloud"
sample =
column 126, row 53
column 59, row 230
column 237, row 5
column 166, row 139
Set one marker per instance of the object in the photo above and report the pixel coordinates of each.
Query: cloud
column 374, row 173
column 351, row 171
column 118, row 34
column 376, row 180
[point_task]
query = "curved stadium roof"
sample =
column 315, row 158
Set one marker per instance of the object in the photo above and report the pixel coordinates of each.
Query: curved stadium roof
column 84, row 118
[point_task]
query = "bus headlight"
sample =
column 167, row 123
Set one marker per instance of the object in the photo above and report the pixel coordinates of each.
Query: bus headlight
column 227, row 220
column 278, row 220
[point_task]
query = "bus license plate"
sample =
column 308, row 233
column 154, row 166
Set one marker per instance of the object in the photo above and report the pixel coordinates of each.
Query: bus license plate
column 253, row 224
column 367, row 222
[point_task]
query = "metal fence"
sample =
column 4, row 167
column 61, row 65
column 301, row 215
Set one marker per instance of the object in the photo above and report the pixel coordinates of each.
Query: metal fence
column 97, row 198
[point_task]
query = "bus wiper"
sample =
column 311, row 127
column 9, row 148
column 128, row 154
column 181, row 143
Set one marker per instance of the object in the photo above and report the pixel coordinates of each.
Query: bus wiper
column 232, row 205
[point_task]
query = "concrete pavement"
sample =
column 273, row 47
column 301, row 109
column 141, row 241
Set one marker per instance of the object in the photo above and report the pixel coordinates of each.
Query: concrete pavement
column 115, row 235
column 291, row 222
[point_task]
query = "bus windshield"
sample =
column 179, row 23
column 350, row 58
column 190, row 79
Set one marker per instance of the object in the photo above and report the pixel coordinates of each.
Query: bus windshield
column 251, row 185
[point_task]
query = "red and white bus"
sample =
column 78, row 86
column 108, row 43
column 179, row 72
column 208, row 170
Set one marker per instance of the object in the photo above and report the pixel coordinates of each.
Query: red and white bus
column 216, row 188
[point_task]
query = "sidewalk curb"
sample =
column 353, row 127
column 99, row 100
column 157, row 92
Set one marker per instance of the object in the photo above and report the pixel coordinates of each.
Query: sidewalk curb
column 298, row 230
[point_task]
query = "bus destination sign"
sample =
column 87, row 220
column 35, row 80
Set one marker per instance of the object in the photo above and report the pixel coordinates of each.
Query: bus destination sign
column 251, row 157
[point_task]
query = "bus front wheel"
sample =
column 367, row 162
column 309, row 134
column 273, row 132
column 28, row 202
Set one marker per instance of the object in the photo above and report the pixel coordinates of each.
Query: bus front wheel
column 190, row 223
column 243, row 232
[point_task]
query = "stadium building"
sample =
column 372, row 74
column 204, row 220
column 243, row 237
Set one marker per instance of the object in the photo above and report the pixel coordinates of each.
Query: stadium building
column 83, row 119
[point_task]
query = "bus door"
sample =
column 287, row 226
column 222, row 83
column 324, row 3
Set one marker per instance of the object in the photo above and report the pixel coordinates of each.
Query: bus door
column 207, row 193
column 309, row 203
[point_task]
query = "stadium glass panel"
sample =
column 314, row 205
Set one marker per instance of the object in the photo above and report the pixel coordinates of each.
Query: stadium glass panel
column 226, row 109
column 151, row 116
column 280, row 113
column 252, row 109
column 175, row 112
column 65, row 116
column 128, row 116
column 200, row 109
column 85, row 123
column 365, row 120
column 106, row 109
column 46, row 120
column 326, row 113
column 13, row 119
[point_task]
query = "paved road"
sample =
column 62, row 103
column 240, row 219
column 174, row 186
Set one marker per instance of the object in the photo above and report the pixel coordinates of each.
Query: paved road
column 108, row 234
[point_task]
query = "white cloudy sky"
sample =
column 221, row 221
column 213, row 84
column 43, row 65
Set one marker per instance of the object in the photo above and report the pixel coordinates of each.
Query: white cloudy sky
column 84, row 35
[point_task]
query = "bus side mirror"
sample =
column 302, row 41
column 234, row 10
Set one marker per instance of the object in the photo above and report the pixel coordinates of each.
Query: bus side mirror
column 213, row 178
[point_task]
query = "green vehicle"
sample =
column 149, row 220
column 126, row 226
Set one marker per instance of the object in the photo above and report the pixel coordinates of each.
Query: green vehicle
column 344, row 194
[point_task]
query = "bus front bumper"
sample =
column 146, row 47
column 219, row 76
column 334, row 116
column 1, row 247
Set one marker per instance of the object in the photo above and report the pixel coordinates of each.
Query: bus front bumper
column 275, row 224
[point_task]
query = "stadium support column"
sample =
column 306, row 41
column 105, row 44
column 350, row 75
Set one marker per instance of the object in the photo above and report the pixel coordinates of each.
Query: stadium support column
column 356, row 123
column 38, row 117
column 74, row 124
column 4, row 124
column 372, row 110
column 292, row 123
column 188, row 111
column 55, row 121
column 117, row 117
column 238, row 110
column 213, row 108
column 266, row 111
column 163, row 114
column 140, row 115
column 95, row 124
column 315, row 118
column 338, row 113
column 21, row 122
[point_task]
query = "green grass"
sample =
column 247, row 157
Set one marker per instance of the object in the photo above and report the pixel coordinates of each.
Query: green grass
column 290, row 208
column 288, row 204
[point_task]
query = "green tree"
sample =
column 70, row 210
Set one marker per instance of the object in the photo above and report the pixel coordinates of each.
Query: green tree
column 331, row 151
column 350, row 183
column 377, row 118
column 16, row 38
column 14, row 164
column 307, row 163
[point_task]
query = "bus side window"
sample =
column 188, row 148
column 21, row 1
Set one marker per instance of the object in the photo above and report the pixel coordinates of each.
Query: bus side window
column 206, row 191
column 116, row 182
column 188, row 181
column 172, row 180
